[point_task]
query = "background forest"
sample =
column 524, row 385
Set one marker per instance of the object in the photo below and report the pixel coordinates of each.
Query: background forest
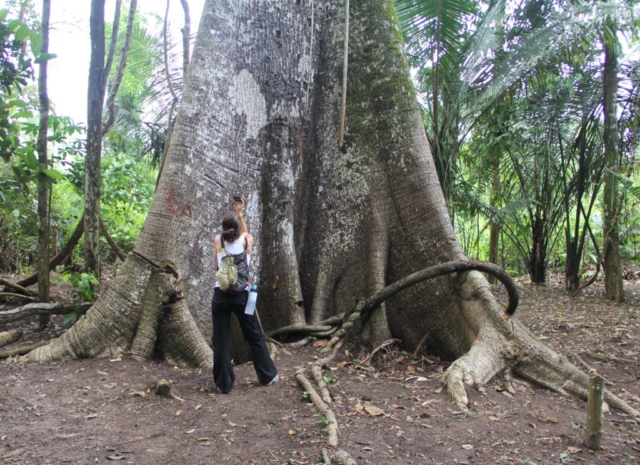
column 539, row 173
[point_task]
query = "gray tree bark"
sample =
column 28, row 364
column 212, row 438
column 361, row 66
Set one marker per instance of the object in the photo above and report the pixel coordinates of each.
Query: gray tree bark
column 93, row 158
column 43, row 164
column 260, row 115
column 613, row 283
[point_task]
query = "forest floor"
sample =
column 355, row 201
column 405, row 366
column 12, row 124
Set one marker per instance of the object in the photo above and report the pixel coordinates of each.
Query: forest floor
column 391, row 412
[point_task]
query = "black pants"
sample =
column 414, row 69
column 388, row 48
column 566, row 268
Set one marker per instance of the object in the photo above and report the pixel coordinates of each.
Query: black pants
column 222, row 305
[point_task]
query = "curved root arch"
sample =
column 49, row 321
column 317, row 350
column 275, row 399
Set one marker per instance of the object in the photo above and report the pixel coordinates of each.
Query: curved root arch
column 500, row 348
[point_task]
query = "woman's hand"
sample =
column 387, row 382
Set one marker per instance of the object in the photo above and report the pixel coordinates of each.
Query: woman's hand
column 239, row 205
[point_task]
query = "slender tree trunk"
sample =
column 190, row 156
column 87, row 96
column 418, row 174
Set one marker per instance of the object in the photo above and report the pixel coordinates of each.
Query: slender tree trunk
column 113, row 44
column 538, row 257
column 614, row 289
column 494, row 227
column 186, row 38
column 43, row 162
column 94, row 142
column 115, row 85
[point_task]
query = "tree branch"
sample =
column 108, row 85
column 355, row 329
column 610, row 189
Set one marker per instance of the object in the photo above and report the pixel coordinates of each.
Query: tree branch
column 103, row 229
column 120, row 73
column 71, row 243
column 186, row 39
column 113, row 44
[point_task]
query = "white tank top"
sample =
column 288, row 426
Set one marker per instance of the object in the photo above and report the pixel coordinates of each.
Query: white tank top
column 234, row 248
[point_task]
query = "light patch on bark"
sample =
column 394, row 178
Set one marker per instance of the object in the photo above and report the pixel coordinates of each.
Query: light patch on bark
column 245, row 94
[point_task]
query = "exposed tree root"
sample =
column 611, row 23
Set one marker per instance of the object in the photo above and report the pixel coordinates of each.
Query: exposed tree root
column 163, row 388
column 297, row 329
column 301, row 343
column 16, row 287
column 322, row 404
column 332, row 426
column 19, row 296
column 384, row 345
column 21, row 350
column 40, row 309
column 9, row 337
column 139, row 323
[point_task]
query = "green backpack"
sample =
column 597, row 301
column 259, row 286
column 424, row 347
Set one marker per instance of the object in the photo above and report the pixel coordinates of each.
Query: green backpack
column 233, row 275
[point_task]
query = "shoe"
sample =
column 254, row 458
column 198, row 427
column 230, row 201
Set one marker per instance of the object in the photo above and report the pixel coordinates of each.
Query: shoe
column 275, row 379
column 221, row 391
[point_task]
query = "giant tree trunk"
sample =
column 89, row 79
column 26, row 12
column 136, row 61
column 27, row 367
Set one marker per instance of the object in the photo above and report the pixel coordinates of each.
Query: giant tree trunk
column 260, row 115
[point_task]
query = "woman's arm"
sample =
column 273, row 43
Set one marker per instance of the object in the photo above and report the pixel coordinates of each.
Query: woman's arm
column 217, row 248
column 243, row 225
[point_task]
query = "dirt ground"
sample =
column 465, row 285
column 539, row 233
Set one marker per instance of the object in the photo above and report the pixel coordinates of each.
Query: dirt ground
column 393, row 412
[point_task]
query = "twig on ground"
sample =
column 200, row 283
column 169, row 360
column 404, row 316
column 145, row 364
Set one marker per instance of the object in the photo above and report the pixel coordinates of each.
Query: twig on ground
column 19, row 296
column 606, row 358
column 419, row 348
column 385, row 344
column 591, row 369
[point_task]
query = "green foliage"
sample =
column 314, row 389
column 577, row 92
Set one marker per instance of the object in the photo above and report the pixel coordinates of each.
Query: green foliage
column 82, row 285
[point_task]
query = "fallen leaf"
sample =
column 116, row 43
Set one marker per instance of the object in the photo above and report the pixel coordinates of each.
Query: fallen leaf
column 467, row 446
column 203, row 439
column 320, row 343
column 116, row 457
column 342, row 364
column 197, row 407
column 190, row 431
column 104, row 373
column 373, row 410
column 574, row 450
column 93, row 415
column 110, row 385
column 178, row 413
column 292, row 432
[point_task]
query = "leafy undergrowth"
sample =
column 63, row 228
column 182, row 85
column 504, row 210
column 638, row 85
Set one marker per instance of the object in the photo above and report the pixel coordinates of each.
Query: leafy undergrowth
column 392, row 411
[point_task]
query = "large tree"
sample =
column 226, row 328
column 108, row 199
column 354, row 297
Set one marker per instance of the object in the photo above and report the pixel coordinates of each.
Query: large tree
column 260, row 115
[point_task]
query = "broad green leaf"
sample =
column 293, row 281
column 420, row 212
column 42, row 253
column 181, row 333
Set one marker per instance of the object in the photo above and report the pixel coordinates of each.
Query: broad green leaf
column 22, row 33
column 3, row 14
column 18, row 103
column 14, row 24
column 36, row 43
column 22, row 114
column 31, row 160
column 53, row 174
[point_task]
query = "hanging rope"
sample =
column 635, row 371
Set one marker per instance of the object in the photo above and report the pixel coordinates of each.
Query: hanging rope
column 343, row 109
